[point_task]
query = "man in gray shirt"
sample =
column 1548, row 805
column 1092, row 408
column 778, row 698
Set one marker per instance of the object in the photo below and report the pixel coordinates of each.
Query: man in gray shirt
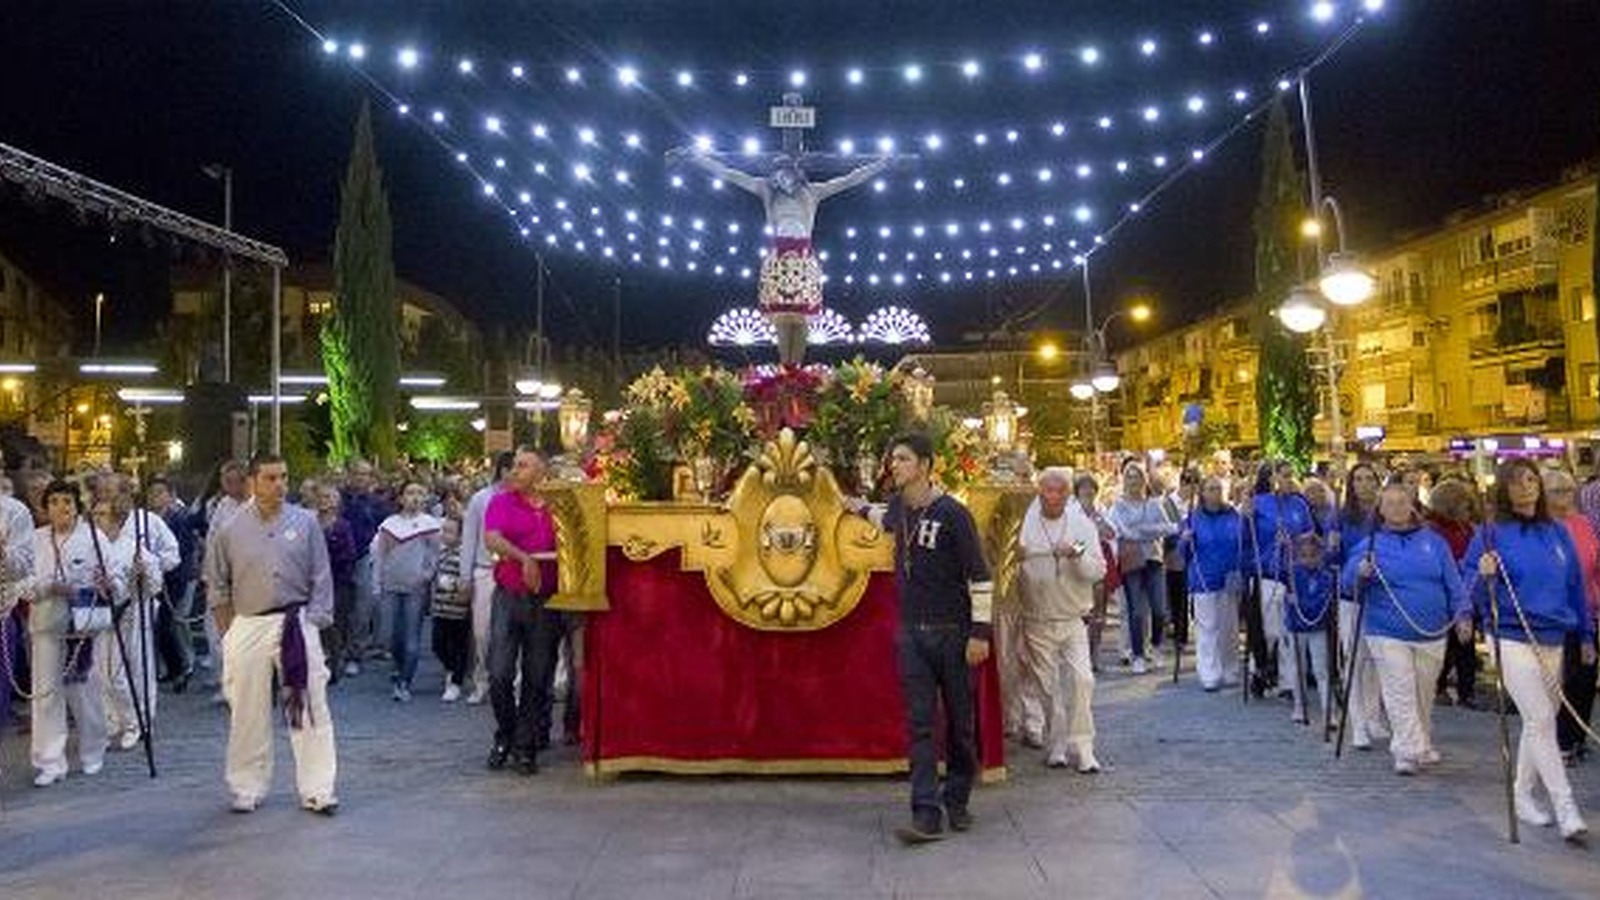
column 269, row 579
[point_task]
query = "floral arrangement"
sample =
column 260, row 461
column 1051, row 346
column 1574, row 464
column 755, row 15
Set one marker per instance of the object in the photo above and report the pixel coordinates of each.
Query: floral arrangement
column 716, row 418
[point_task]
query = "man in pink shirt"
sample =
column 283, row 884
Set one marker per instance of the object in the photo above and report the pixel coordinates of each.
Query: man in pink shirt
column 523, row 635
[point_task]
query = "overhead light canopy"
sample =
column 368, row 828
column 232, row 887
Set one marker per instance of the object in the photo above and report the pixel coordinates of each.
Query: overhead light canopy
column 1082, row 390
column 1344, row 282
column 118, row 368
column 149, row 396
column 1303, row 312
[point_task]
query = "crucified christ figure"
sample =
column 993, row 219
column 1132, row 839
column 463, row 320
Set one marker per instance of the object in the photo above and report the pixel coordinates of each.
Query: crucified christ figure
column 791, row 278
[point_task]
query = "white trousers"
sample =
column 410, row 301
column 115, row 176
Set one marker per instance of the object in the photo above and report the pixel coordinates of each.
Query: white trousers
column 1407, row 673
column 1272, row 593
column 1366, row 698
column 1216, row 623
column 253, row 659
column 120, row 715
column 1054, row 651
column 1533, row 679
column 1312, row 647
column 482, row 594
column 52, row 697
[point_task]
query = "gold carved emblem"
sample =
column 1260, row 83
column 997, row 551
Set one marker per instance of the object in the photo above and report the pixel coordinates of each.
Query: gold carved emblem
column 784, row 555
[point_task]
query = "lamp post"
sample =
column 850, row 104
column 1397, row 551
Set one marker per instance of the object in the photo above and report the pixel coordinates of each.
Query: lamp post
column 1341, row 281
column 918, row 388
column 224, row 174
column 1102, row 376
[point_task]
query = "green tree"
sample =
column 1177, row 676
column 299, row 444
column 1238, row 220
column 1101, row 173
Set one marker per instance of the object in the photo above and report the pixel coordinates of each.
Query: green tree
column 1284, row 390
column 441, row 438
column 361, row 339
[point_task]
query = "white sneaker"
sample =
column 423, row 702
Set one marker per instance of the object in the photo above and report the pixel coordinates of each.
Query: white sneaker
column 128, row 740
column 480, row 693
column 352, row 668
column 1532, row 811
column 1087, row 763
column 94, row 768
column 452, row 693
column 1139, row 666
column 401, row 694
column 244, row 804
column 1430, row 757
column 1405, row 766
column 1056, row 761
column 1571, row 824
column 47, row 778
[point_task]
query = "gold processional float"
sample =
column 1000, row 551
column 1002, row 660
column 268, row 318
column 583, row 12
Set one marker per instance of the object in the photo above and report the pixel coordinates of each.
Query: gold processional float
column 782, row 555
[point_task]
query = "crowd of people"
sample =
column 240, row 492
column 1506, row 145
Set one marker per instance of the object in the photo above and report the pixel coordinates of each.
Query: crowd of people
column 1363, row 599
column 114, row 591
column 1376, row 607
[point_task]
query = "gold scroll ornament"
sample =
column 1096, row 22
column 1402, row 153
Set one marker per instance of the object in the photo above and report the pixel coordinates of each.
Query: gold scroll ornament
column 782, row 555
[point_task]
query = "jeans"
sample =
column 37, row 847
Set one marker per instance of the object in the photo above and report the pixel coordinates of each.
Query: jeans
column 933, row 669
column 1144, row 590
column 405, row 643
column 174, row 641
column 1578, row 683
column 337, row 639
column 1461, row 659
column 522, row 640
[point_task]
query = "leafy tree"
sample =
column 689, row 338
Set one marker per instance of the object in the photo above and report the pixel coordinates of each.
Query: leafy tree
column 361, row 339
column 1284, row 390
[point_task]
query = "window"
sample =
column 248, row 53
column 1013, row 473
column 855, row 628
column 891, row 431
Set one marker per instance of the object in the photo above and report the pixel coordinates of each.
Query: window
column 1419, row 339
column 1583, row 303
column 1589, row 374
column 1372, row 398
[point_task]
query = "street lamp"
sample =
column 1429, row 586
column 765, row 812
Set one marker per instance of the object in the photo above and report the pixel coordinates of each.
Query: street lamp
column 1341, row 280
column 1303, row 312
column 573, row 416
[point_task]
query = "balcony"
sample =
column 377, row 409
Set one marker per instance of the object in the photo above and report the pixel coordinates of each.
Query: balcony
column 1519, row 337
column 1512, row 270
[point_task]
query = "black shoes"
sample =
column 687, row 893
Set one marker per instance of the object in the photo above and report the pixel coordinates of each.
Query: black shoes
column 926, row 827
column 525, row 764
column 498, row 754
column 960, row 818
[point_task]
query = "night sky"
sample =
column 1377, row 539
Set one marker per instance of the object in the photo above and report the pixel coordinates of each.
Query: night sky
column 1432, row 106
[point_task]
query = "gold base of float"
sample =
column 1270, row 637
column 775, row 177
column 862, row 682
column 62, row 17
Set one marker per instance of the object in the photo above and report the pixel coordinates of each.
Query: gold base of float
column 782, row 555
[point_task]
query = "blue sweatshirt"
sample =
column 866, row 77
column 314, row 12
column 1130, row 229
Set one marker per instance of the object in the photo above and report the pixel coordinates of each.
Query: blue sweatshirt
column 1423, row 585
column 1277, row 521
column 1542, row 563
column 1305, row 609
column 1350, row 534
column 1215, row 548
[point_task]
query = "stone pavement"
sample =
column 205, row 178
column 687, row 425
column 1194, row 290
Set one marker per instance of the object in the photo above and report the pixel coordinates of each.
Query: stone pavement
column 1204, row 797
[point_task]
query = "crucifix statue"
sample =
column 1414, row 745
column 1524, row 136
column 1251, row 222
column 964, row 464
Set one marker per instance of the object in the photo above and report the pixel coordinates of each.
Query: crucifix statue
column 791, row 278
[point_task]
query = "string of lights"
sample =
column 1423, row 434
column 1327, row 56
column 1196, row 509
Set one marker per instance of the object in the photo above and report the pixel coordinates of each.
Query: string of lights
column 1051, row 190
column 744, row 326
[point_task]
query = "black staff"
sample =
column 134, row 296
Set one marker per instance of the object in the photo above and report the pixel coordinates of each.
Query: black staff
column 117, row 612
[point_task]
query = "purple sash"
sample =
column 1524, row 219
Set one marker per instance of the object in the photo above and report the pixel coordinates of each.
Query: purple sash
column 296, row 670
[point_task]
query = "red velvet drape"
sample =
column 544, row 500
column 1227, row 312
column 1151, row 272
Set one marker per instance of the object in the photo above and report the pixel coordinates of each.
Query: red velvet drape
column 671, row 683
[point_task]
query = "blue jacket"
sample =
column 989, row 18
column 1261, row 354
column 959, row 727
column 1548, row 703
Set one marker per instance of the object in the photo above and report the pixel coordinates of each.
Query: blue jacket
column 1277, row 521
column 1305, row 610
column 1215, row 548
column 1417, row 587
column 1542, row 564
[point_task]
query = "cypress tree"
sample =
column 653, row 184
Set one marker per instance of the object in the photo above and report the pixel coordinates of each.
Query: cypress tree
column 1285, row 394
column 361, row 339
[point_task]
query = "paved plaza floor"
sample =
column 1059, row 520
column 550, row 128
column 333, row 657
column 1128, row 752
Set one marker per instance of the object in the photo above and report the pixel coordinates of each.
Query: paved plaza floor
column 1203, row 797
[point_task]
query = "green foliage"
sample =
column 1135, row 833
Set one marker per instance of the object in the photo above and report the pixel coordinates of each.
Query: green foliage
column 361, row 340
column 1284, row 390
column 858, row 411
column 441, row 438
column 642, row 471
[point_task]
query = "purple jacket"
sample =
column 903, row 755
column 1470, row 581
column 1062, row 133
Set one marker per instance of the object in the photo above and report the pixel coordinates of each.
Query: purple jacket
column 341, row 552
